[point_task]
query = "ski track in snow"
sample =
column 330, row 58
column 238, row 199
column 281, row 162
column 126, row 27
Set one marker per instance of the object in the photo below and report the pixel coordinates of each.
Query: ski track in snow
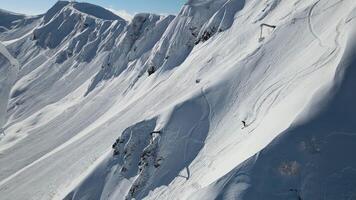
column 311, row 27
column 188, row 138
column 274, row 90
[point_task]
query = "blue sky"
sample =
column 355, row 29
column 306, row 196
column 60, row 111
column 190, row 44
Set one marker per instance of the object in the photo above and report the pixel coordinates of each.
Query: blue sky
column 130, row 6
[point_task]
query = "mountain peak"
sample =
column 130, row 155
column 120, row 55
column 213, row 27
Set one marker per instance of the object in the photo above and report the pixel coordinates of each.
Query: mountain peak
column 208, row 104
column 82, row 7
column 96, row 11
column 8, row 18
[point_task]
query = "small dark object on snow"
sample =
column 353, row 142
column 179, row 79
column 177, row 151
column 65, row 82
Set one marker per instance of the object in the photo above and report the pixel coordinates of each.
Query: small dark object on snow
column 244, row 123
column 153, row 132
column 146, row 153
column 133, row 189
column 158, row 162
column 116, row 143
column 151, row 70
column 206, row 35
column 119, row 140
column 123, row 169
column 266, row 25
column 116, row 152
column 197, row 81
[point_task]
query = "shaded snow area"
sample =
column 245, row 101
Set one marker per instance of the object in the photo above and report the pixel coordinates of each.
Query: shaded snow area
column 96, row 107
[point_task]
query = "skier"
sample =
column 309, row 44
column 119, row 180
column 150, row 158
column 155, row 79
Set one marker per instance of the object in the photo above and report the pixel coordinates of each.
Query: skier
column 244, row 124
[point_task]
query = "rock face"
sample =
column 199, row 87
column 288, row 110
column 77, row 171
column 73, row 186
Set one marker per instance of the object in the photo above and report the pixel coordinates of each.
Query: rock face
column 9, row 20
column 192, row 106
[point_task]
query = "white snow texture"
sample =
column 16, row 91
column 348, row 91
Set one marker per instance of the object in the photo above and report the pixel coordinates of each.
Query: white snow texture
column 95, row 107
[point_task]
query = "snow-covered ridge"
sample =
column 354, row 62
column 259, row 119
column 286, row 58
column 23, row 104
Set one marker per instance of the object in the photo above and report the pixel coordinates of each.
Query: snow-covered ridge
column 169, row 39
column 9, row 20
column 96, row 11
column 70, row 19
column 9, row 70
column 85, row 8
column 102, row 108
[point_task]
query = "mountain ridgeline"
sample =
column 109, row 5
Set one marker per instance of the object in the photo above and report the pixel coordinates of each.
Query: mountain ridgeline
column 229, row 99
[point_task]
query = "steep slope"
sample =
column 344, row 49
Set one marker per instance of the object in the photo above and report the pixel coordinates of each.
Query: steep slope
column 87, row 121
column 173, row 39
column 9, row 20
column 261, row 129
column 14, row 26
column 313, row 158
column 9, row 69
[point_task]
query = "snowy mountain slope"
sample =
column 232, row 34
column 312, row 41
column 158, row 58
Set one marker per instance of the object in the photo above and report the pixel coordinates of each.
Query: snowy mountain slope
column 313, row 158
column 9, row 19
column 83, row 84
column 9, row 69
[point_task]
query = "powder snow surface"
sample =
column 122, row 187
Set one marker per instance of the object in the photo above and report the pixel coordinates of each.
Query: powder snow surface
column 81, row 118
